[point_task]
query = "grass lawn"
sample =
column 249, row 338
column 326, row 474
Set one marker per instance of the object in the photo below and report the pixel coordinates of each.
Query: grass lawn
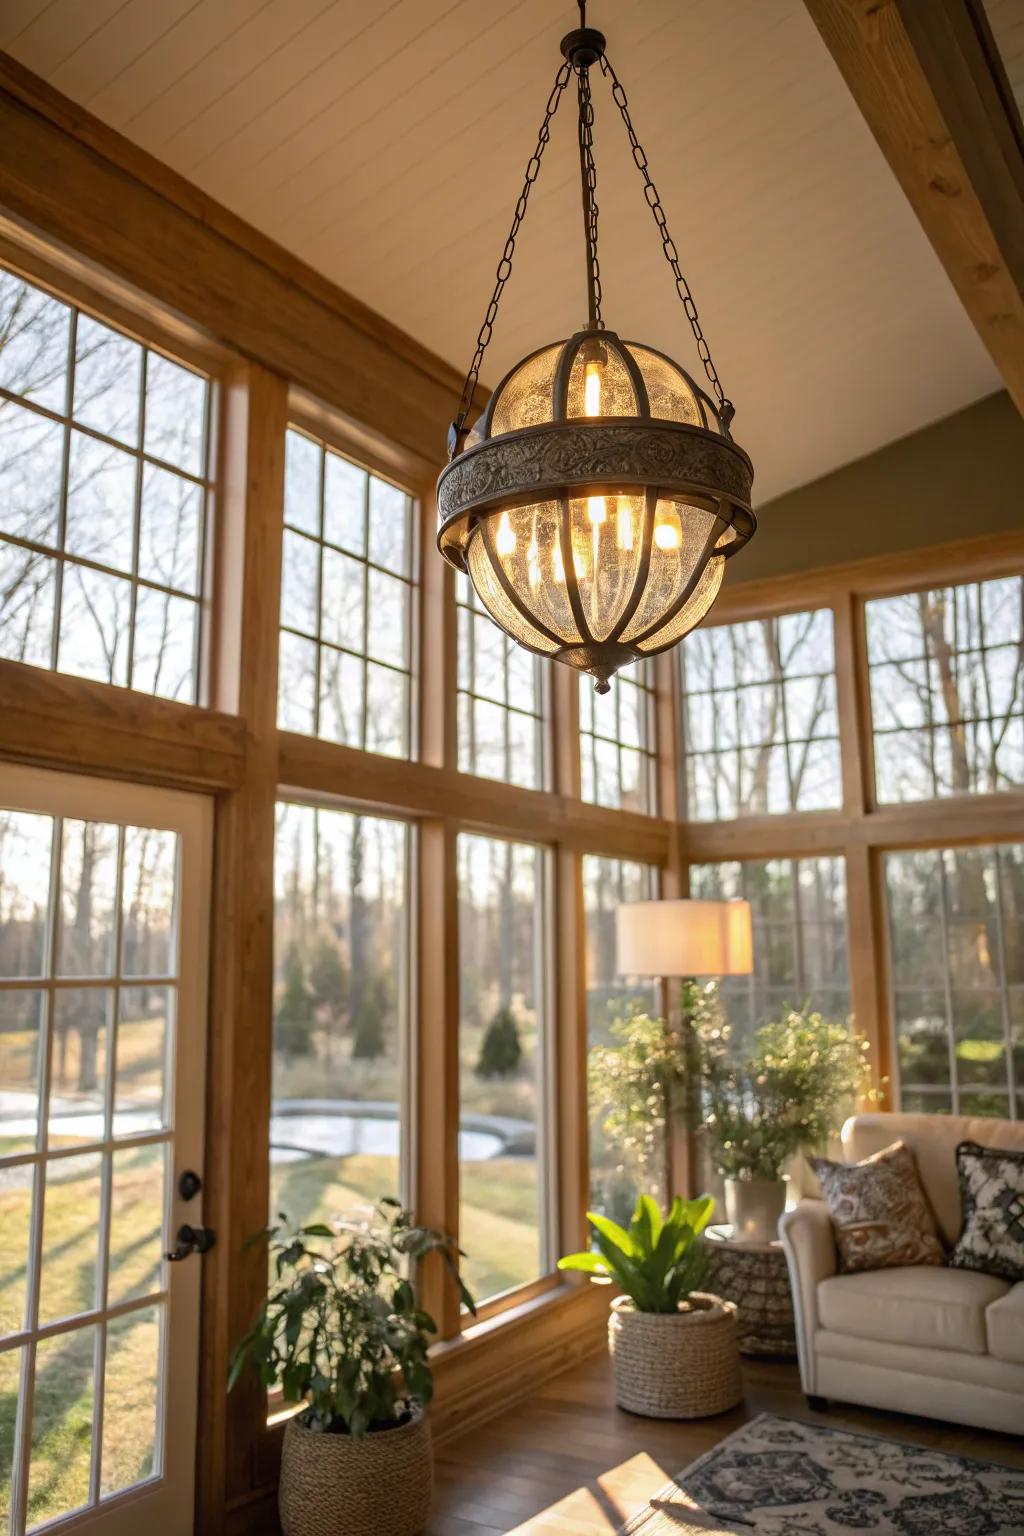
column 63, row 1407
column 499, row 1209
column 64, row 1393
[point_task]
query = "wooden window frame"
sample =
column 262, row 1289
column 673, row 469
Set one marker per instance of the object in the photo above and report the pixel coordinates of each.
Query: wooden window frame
column 322, row 428
column 644, row 678
column 729, row 696
column 1014, row 1094
column 85, row 294
column 540, row 715
column 861, row 831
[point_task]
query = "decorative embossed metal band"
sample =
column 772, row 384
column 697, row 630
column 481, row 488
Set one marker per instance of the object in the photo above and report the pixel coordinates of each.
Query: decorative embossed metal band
column 539, row 463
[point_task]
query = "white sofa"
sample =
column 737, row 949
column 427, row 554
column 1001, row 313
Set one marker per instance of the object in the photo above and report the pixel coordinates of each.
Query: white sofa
column 945, row 1343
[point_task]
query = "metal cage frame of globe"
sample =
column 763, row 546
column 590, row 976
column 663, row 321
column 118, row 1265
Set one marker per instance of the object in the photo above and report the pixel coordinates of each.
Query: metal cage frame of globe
column 563, row 456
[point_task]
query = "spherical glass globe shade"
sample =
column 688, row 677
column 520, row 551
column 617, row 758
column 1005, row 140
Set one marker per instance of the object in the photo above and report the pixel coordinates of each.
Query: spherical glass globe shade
column 595, row 502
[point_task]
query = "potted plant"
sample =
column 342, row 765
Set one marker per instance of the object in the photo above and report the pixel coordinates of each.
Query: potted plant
column 638, row 1080
column 674, row 1348
column 803, row 1076
column 342, row 1332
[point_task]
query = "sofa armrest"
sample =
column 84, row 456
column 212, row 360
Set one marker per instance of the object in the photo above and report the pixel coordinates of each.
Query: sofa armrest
column 810, row 1247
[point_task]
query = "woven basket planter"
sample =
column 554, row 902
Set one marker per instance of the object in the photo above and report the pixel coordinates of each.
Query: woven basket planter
column 332, row 1485
column 676, row 1365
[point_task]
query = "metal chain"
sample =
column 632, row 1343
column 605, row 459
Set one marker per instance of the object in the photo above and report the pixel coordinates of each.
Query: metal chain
column 589, row 172
column 505, row 264
column 671, row 254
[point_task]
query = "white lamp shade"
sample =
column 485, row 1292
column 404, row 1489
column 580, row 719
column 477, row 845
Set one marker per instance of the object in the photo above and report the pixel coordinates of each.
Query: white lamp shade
column 684, row 938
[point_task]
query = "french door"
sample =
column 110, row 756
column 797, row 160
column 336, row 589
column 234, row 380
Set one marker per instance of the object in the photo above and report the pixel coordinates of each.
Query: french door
column 104, row 908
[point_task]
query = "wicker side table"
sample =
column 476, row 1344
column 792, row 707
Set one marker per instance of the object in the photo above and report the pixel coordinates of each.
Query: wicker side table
column 755, row 1277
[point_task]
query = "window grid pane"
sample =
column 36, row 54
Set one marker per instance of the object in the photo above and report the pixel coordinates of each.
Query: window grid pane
column 618, row 1173
column 946, row 668
column 88, row 978
column 798, row 915
column 347, row 603
column 501, row 712
column 341, row 1011
column 760, row 728
column 103, row 497
column 957, row 953
column 618, row 760
column 503, row 1079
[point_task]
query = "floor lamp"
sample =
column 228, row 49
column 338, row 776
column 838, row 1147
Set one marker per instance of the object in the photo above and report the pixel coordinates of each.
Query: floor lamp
column 684, row 940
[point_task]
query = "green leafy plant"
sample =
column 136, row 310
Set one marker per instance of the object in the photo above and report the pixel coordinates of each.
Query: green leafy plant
column 637, row 1079
column 343, row 1330
column 804, row 1074
column 659, row 1261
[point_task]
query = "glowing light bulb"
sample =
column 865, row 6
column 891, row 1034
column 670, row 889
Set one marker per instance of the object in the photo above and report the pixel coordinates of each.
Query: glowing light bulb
column 625, row 526
column 557, row 564
column 666, row 536
column 533, row 560
column 592, row 389
column 505, row 543
column 595, row 554
column 596, row 510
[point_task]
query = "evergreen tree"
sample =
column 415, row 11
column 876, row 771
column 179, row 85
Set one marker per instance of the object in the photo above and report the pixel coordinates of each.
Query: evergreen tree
column 368, row 1019
column 501, row 1050
column 328, row 977
column 293, row 1022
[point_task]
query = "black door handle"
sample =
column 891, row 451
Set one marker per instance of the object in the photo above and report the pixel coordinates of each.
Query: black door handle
column 191, row 1240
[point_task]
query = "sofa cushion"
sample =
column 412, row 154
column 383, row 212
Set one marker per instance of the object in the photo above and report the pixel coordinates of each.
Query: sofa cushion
column 933, row 1139
column 1004, row 1326
column 879, row 1211
column 992, row 1190
column 925, row 1304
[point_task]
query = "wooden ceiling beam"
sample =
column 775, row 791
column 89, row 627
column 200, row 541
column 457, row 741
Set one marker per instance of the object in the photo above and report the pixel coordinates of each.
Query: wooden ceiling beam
column 86, row 189
column 922, row 74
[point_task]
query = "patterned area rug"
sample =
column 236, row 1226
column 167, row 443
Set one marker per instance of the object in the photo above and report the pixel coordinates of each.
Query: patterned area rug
column 778, row 1477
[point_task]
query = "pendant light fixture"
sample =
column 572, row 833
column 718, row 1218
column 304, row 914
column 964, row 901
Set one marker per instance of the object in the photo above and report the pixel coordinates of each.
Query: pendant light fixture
column 599, row 494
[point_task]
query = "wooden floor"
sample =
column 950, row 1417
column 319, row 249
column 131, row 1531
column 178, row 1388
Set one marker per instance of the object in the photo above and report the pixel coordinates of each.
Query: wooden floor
column 569, row 1463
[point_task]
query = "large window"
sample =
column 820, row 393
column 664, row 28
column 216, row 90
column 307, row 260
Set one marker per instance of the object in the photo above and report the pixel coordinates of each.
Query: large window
column 347, row 602
column 947, row 690
column 501, row 699
column 956, row 928
column 798, row 914
column 503, row 1075
column 617, row 741
column 620, row 1167
column 341, row 936
column 760, row 730
column 103, row 492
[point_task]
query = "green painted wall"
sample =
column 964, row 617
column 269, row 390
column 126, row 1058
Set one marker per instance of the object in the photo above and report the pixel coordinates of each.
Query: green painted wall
column 957, row 478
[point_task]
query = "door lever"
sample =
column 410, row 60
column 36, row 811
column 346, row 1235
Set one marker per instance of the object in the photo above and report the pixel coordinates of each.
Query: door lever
column 190, row 1240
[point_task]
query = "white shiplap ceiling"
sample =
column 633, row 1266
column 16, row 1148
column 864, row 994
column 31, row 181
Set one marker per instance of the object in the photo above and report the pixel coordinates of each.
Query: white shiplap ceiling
column 1006, row 19
column 384, row 142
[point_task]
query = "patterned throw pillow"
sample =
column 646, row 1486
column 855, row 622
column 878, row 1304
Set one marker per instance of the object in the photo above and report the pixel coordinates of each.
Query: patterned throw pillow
column 881, row 1216
column 992, row 1190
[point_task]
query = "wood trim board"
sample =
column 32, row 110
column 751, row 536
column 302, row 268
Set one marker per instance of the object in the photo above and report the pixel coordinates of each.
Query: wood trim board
column 69, row 177
column 920, row 76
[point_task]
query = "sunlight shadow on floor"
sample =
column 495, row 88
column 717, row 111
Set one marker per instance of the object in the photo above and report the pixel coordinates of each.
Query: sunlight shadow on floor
column 601, row 1507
